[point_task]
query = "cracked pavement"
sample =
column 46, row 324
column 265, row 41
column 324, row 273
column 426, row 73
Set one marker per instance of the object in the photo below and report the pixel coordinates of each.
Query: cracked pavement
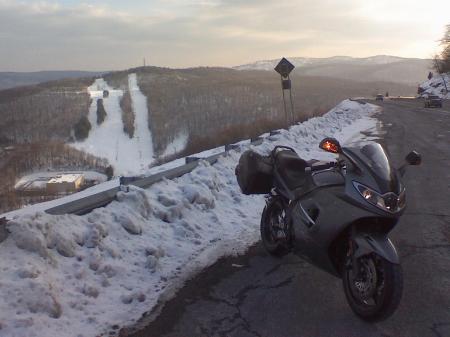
column 259, row 295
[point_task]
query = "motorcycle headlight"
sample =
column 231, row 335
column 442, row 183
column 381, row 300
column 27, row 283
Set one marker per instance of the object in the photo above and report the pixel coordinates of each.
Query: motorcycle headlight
column 389, row 202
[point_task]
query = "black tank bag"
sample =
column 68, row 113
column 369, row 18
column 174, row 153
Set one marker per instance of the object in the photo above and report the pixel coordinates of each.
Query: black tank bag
column 254, row 173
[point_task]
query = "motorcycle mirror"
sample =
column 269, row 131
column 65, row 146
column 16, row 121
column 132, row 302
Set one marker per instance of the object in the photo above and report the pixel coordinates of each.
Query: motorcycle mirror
column 330, row 145
column 413, row 158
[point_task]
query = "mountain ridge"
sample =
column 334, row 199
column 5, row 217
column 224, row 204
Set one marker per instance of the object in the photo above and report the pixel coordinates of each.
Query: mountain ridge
column 366, row 69
column 13, row 79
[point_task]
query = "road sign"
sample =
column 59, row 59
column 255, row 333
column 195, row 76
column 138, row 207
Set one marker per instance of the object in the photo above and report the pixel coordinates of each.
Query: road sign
column 284, row 67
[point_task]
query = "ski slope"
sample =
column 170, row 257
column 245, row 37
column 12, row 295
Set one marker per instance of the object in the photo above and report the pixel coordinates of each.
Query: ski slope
column 108, row 140
column 80, row 276
column 177, row 145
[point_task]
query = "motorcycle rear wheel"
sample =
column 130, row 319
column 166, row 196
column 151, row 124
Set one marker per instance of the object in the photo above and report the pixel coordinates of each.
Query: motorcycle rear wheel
column 377, row 293
column 272, row 220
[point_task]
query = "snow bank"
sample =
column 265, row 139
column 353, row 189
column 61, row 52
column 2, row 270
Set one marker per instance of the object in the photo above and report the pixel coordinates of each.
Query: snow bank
column 108, row 140
column 87, row 275
column 436, row 86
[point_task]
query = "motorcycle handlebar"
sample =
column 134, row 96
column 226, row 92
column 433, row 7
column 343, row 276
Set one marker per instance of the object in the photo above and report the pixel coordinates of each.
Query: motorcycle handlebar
column 321, row 166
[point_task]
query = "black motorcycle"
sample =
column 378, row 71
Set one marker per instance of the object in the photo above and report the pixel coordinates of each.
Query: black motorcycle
column 337, row 215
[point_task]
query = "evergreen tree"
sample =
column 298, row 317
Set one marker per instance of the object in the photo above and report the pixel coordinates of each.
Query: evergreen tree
column 82, row 128
column 101, row 112
column 109, row 171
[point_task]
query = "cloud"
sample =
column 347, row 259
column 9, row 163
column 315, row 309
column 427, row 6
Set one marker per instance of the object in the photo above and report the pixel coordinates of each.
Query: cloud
column 112, row 35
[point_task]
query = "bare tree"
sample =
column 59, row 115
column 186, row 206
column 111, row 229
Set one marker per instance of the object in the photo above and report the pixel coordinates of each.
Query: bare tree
column 441, row 62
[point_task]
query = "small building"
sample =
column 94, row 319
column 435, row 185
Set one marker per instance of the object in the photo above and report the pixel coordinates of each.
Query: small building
column 9, row 149
column 65, row 183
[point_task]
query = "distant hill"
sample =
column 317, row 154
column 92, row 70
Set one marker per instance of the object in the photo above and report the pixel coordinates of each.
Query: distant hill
column 369, row 69
column 17, row 79
column 206, row 106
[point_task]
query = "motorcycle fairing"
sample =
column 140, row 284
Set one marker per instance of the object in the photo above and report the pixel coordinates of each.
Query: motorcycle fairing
column 380, row 176
column 313, row 240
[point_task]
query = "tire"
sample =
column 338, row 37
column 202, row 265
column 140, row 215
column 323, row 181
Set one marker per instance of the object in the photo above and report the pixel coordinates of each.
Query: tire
column 386, row 297
column 273, row 210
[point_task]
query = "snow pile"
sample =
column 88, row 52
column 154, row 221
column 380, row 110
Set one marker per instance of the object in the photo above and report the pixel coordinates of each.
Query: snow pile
column 108, row 140
column 87, row 275
column 436, row 86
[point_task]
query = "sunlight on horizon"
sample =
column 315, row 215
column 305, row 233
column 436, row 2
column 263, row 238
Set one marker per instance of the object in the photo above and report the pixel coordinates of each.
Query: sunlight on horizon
column 111, row 34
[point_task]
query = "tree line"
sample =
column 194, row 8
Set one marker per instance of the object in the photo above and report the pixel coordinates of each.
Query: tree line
column 441, row 62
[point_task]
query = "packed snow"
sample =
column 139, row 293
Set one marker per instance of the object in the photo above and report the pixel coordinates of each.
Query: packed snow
column 438, row 85
column 108, row 140
column 89, row 275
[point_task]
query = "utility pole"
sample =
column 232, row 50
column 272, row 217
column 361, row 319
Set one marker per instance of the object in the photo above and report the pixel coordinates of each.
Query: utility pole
column 144, row 62
column 284, row 68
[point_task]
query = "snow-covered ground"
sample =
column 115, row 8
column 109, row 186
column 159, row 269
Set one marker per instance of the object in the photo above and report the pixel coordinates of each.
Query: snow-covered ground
column 177, row 145
column 108, row 140
column 77, row 276
column 436, row 86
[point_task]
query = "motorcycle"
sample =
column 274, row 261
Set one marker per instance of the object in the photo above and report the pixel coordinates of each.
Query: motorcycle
column 337, row 215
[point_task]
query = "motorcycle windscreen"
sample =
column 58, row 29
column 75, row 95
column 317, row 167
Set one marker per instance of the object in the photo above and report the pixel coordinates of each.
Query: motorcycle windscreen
column 377, row 161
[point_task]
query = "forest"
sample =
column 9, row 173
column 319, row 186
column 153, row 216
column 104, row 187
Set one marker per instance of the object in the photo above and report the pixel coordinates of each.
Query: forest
column 213, row 106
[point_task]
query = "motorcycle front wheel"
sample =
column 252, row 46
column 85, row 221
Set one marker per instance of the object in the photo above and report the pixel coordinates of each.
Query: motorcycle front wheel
column 375, row 293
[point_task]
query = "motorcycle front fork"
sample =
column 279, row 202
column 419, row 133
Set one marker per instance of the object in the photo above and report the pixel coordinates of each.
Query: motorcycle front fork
column 355, row 264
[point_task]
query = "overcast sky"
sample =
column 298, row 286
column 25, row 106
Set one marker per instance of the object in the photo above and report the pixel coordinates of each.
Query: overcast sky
column 112, row 34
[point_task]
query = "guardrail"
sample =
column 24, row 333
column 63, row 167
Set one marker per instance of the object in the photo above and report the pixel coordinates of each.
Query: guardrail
column 88, row 203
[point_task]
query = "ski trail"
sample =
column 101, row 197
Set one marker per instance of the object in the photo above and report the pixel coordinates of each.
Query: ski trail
column 100, row 141
column 108, row 140
column 177, row 145
column 96, row 92
column 142, row 132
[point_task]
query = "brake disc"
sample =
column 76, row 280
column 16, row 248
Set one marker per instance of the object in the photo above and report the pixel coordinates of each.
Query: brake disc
column 366, row 284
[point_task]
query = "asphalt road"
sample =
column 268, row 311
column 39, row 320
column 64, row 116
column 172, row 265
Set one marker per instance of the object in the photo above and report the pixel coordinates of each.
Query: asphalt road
column 258, row 295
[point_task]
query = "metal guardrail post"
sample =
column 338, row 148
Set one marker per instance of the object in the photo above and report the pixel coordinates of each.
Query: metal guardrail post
column 230, row 147
column 3, row 232
column 256, row 141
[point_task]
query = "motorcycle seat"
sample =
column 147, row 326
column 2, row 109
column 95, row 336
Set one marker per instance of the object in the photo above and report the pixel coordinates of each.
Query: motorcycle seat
column 291, row 168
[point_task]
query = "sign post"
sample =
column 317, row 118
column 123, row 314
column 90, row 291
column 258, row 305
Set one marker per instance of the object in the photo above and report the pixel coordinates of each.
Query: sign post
column 284, row 68
column 445, row 83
